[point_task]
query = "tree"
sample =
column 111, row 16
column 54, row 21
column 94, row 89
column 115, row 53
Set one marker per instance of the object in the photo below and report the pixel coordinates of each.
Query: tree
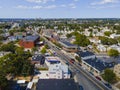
column 108, row 41
column 43, row 51
column 109, row 75
column 1, row 38
column 81, row 40
column 34, row 49
column 19, row 51
column 107, row 33
column 91, row 35
column 3, row 82
column 118, row 39
column 69, row 35
column 78, row 58
column 15, row 63
column 46, row 46
column 113, row 53
column 10, row 47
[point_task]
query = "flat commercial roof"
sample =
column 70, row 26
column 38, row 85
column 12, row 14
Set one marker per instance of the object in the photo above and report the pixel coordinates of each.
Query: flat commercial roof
column 50, row 59
column 67, row 44
column 57, row 84
column 85, row 53
column 21, row 81
column 98, row 64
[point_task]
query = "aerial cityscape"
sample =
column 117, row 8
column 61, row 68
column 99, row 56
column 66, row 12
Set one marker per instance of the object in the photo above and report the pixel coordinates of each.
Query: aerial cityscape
column 59, row 45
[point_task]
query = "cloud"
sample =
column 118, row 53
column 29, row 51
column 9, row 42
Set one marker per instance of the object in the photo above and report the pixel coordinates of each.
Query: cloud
column 72, row 5
column 50, row 7
column 75, row 0
column 36, row 7
column 23, row 7
column 103, row 7
column 46, row 7
column 63, row 5
column 40, row 1
column 105, row 2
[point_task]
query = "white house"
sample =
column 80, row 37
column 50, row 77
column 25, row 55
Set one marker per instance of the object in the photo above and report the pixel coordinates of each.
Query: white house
column 93, row 40
column 3, row 53
column 58, row 71
column 114, row 35
column 86, row 32
column 116, row 47
column 101, row 48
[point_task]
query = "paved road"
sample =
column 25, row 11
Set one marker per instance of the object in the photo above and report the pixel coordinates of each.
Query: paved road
column 84, row 78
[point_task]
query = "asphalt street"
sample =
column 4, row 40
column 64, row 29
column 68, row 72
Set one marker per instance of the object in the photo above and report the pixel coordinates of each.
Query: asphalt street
column 84, row 78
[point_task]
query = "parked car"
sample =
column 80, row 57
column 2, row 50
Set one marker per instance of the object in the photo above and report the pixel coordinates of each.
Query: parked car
column 72, row 61
column 91, row 73
column 81, row 87
column 77, row 71
column 108, row 85
column 98, row 78
column 79, row 64
column 67, row 63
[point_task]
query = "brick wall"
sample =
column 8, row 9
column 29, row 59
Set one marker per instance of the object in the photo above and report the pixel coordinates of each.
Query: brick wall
column 26, row 44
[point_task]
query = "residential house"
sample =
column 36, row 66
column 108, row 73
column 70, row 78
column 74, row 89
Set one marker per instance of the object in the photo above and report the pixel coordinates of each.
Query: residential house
column 116, row 47
column 58, row 71
column 114, row 35
column 12, row 38
column 101, row 48
column 95, row 40
column 117, row 70
column 2, row 53
column 38, row 59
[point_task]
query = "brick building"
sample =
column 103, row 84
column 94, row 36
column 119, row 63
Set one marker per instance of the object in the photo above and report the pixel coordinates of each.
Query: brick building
column 29, row 41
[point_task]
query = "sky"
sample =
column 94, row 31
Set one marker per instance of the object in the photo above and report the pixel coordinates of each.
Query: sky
column 59, row 8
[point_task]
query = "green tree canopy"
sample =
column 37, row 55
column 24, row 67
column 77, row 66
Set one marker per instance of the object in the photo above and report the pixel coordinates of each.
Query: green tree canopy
column 81, row 40
column 107, row 33
column 113, row 53
column 3, row 82
column 69, row 35
column 43, row 51
column 8, row 47
column 109, row 76
column 108, row 41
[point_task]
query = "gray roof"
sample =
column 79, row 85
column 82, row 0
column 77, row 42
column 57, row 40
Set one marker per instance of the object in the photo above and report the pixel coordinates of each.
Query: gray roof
column 67, row 44
column 31, row 38
column 85, row 53
column 98, row 64
column 57, row 84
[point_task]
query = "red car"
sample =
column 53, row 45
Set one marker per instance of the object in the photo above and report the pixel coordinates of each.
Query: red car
column 98, row 78
column 72, row 61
